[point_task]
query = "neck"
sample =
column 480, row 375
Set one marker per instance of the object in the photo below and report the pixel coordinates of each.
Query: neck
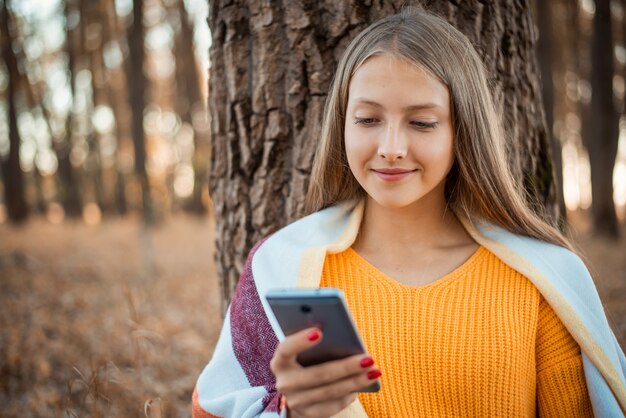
column 425, row 225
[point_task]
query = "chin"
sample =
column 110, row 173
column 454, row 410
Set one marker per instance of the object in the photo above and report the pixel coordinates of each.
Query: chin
column 394, row 202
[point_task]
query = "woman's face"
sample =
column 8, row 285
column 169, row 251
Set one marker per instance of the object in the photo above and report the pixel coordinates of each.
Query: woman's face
column 398, row 132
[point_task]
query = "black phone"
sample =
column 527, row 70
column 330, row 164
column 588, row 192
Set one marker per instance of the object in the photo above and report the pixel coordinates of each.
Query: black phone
column 325, row 308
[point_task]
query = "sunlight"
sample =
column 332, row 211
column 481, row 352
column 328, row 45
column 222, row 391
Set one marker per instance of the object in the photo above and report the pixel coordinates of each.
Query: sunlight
column 112, row 55
column 577, row 176
column 79, row 152
column 199, row 9
column 183, row 184
column 4, row 80
column 55, row 214
column 571, row 190
column 37, row 7
column 4, row 131
column 123, row 7
column 103, row 119
column 619, row 177
column 28, row 149
column 46, row 162
column 619, row 182
column 92, row 214
column 160, row 36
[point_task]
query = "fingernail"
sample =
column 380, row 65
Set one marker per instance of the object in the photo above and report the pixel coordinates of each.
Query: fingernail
column 366, row 362
column 313, row 335
column 374, row 374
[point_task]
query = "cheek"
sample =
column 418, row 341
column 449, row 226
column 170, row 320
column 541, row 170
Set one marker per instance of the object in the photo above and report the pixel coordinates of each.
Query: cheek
column 448, row 154
column 356, row 148
column 438, row 155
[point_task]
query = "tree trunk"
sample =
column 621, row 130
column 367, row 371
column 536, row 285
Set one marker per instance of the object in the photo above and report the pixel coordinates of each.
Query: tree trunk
column 271, row 67
column 602, row 139
column 545, row 54
column 68, row 181
column 93, row 53
column 137, row 87
column 117, row 87
column 41, row 206
column 12, row 174
column 188, row 99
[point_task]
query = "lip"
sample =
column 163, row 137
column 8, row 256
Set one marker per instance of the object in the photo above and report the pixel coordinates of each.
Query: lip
column 393, row 174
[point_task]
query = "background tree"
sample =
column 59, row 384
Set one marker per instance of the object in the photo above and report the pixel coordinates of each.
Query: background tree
column 91, row 35
column 272, row 64
column 11, row 168
column 189, row 102
column 545, row 52
column 117, row 84
column 601, row 138
column 137, row 87
column 68, row 180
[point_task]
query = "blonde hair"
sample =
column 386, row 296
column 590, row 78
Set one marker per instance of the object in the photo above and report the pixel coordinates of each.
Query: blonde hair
column 480, row 184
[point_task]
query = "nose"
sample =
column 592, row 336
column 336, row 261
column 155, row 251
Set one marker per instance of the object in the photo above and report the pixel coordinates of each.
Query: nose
column 393, row 145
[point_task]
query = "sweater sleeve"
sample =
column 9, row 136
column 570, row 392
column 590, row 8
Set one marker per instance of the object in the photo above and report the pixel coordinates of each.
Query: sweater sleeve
column 561, row 386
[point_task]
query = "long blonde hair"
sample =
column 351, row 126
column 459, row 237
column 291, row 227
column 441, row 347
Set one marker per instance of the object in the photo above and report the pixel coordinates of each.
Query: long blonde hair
column 480, row 185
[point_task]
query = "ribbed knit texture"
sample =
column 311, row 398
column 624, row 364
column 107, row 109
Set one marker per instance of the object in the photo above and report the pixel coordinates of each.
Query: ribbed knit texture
column 480, row 341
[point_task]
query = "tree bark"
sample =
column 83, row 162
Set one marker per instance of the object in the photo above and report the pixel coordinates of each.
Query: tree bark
column 271, row 67
column 602, row 138
column 12, row 174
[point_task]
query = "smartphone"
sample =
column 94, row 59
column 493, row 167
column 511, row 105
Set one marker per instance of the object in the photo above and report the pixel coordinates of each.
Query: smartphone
column 325, row 308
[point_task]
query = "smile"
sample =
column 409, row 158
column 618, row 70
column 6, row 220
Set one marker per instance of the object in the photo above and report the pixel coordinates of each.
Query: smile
column 393, row 174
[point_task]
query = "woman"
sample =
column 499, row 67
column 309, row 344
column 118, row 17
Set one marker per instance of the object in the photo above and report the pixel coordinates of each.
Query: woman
column 468, row 302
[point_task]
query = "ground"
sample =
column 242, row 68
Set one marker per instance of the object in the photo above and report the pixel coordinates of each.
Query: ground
column 114, row 320
column 105, row 321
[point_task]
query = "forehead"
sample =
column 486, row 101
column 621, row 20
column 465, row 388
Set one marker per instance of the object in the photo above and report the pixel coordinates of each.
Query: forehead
column 386, row 78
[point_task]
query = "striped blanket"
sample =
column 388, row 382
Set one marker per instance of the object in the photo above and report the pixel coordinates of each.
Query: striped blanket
column 238, row 382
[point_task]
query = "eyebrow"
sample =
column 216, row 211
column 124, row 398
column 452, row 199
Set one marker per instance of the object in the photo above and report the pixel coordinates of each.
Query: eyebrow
column 417, row 106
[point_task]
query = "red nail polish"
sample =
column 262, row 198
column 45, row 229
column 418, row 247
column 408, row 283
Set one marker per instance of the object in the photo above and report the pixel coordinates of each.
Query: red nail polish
column 366, row 362
column 313, row 335
column 374, row 374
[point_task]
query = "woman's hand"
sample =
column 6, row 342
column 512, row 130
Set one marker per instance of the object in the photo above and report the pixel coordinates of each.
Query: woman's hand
column 321, row 390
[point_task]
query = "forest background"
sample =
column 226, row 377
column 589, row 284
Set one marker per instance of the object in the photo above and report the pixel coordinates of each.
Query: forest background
column 110, row 293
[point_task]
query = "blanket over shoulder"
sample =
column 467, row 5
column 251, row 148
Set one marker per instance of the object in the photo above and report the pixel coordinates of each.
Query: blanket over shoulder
column 238, row 381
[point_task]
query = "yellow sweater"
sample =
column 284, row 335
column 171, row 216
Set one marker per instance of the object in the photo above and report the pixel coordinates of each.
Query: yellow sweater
column 479, row 342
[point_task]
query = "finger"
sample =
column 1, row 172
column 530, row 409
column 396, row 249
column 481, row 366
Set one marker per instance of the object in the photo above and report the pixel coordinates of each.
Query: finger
column 334, row 391
column 297, row 379
column 291, row 346
column 332, row 371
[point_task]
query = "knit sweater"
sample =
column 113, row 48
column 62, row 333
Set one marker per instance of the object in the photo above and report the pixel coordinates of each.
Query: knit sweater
column 238, row 382
column 481, row 341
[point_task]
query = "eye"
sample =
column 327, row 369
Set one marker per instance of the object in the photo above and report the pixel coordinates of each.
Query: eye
column 365, row 121
column 424, row 125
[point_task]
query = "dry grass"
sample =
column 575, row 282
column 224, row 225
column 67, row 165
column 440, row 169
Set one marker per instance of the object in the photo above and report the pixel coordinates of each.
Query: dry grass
column 606, row 260
column 116, row 321
column 105, row 321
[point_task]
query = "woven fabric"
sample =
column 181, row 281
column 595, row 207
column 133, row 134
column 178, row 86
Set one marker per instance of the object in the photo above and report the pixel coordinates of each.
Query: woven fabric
column 238, row 381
